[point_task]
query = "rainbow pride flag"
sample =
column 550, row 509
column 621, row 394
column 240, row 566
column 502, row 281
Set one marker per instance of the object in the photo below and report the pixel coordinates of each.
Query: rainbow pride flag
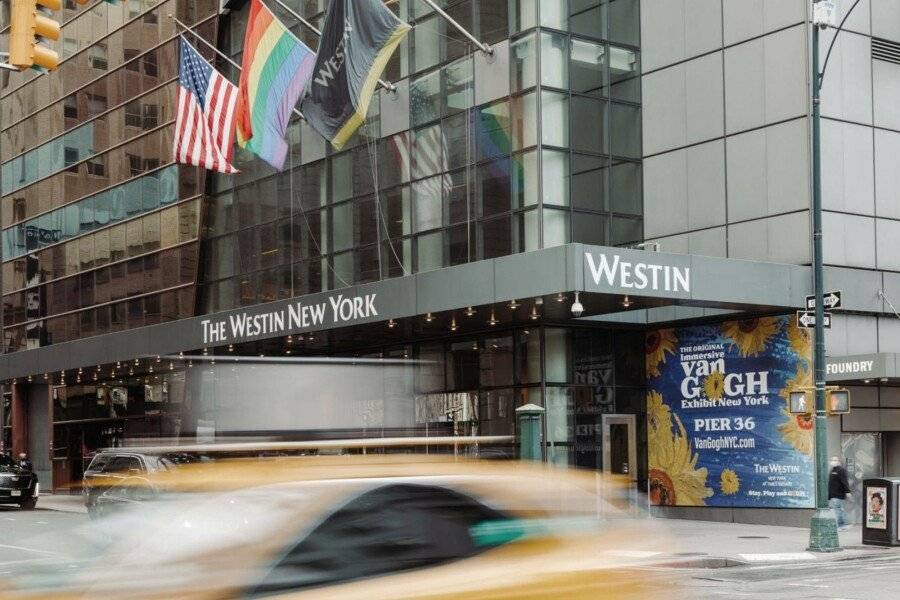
column 275, row 70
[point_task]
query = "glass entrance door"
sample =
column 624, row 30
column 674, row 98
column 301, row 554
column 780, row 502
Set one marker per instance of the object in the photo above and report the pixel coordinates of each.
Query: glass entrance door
column 620, row 448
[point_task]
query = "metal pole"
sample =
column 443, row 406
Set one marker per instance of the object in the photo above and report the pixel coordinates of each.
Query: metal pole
column 205, row 43
column 481, row 46
column 823, row 536
column 385, row 84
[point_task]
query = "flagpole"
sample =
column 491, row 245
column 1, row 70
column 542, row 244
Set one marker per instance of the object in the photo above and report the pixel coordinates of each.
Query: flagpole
column 385, row 84
column 217, row 51
column 481, row 45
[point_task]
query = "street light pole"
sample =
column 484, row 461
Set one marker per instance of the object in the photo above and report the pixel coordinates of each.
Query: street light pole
column 823, row 536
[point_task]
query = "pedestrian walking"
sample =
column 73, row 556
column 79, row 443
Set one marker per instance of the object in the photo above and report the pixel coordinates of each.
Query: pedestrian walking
column 838, row 490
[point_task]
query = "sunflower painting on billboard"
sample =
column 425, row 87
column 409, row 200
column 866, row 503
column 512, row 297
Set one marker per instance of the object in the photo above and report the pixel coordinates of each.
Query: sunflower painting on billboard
column 718, row 429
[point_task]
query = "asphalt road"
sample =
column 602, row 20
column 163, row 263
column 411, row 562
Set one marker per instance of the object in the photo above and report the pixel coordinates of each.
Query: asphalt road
column 33, row 538
column 29, row 538
column 865, row 579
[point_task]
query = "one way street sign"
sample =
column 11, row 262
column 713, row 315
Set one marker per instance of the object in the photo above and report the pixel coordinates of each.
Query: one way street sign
column 807, row 319
column 831, row 300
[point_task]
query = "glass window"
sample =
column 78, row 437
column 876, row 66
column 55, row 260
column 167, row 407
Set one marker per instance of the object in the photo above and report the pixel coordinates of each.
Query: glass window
column 523, row 14
column 586, row 67
column 493, row 20
column 625, row 231
column 625, row 130
column 531, row 230
column 556, row 227
column 589, row 228
column 457, row 206
column 427, row 202
column 585, row 19
column 429, row 152
column 497, row 361
column 426, row 44
column 554, row 13
column 463, row 365
column 523, row 114
column 425, row 98
column 556, row 355
column 624, row 74
column 393, row 156
column 492, row 130
column 459, row 141
column 395, row 207
column 626, row 188
column 555, row 170
column 523, row 57
column 492, row 188
column 555, row 119
column 523, row 169
column 341, row 177
column 589, row 175
column 458, row 90
column 403, row 519
column 429, row 252
column 342, row 223
column 495, row 238
column 623, row 17
column 458, row 245
column 528, row 356
column 554, row 66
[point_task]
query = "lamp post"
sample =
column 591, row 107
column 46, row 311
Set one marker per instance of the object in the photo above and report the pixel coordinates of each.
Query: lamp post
column 823, row 536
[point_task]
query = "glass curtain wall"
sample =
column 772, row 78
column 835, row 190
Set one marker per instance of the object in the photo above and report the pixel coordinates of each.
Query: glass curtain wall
column 554, row 160
column 100, row 228
column 472, row 384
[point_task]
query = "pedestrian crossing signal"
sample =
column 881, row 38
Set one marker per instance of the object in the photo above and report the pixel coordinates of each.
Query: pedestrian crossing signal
column 31, row 26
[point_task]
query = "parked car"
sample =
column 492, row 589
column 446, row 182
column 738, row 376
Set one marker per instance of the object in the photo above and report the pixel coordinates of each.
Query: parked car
column 116, row 477
column 18, row 484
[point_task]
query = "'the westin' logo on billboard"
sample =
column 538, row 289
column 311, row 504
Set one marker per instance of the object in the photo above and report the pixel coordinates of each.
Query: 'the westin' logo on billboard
column 638, row 275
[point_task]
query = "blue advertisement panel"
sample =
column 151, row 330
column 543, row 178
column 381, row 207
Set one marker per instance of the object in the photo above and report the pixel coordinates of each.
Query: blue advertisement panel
column 719, row 431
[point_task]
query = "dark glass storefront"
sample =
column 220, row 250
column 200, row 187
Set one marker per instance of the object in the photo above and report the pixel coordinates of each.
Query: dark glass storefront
column 457, row 385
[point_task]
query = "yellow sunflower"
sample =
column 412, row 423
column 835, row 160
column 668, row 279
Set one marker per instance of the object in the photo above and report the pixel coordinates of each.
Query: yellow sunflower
column 800, row 340
column 656, row 345
column 797, row 430
column 751, row 335
column 714, row 385
column 674, row 477
column 729, row 482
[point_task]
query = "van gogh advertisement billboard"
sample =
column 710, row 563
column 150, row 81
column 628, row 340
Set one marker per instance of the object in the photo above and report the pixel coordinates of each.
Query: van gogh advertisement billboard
column 719, row 432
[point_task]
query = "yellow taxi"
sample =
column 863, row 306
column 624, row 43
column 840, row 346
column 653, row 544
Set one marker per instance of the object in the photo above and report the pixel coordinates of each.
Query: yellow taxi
column 362, row 527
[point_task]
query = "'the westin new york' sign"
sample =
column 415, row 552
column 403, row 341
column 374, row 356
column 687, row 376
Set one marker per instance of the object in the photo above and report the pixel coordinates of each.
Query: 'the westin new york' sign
column 298, row 316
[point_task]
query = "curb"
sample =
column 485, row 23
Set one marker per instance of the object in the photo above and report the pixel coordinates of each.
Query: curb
column 723, row 562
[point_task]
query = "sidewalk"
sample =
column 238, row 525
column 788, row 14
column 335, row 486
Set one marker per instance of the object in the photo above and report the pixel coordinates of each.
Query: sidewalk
column 73, row 503
column 704, row 544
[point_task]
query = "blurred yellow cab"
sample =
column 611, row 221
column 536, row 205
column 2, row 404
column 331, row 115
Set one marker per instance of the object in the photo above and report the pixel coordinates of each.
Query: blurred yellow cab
column 362, row 527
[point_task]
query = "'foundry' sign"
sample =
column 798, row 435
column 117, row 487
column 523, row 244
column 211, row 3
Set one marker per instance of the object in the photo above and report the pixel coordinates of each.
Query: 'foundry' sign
column 865, row 366
column 296, row 317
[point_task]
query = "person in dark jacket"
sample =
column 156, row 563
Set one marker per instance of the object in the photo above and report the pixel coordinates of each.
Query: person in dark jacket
column 23, row 462
column 838, row 490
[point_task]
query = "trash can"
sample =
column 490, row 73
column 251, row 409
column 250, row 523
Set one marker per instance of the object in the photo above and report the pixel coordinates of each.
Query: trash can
column 880, row 502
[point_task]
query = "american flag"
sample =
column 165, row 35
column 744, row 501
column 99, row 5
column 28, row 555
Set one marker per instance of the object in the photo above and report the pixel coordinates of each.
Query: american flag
column 204, row 125
column 430, row 152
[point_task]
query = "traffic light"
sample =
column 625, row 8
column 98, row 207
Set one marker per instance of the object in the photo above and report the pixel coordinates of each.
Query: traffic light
column 30, row 26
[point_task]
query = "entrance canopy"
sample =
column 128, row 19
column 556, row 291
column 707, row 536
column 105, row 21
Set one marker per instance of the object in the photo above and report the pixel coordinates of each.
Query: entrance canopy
column 522, row 287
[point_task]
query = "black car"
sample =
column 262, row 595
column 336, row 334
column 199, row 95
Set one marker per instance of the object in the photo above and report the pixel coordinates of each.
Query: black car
column 117, row 476
column 18, row 484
